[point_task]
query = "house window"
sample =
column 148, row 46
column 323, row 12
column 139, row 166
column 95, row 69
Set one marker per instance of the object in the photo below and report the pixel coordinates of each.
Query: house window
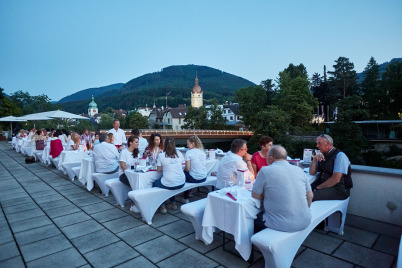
column 231, row 118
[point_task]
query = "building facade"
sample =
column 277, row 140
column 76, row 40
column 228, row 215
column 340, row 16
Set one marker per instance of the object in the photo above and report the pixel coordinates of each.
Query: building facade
column 92, row 108
column 197, row 96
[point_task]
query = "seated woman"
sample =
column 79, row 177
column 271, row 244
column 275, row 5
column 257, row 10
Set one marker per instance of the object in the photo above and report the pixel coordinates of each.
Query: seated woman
column 195, row 169
column 56, row 147
column 154, row 148
column 74, row 143
column 259, row 159
column 38, row 136
column 169, row 163
column 127, row 159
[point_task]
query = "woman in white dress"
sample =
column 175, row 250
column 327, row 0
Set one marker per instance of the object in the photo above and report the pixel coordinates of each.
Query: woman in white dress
column 154, row 148
column 127, row 159
column 170, row 164
column 195, row 169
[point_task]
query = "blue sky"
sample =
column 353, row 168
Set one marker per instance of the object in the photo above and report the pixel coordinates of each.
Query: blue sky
column 60, row 47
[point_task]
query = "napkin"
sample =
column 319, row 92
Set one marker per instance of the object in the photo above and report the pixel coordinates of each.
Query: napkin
column 142, row 168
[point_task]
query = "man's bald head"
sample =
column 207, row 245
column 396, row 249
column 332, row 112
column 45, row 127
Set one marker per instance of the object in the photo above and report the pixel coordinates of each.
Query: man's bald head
column 278, row 153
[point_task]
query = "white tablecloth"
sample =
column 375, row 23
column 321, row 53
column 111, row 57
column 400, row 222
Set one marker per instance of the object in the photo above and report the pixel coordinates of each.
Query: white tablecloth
column 234, row 217
column 45, row 155
column 71, row 156
column 86, row 170
column 14, row 142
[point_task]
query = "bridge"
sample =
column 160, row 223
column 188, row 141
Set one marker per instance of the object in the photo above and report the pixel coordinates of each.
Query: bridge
column 207, row 136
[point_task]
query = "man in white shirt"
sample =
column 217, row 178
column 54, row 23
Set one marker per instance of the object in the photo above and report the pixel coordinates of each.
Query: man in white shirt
column 106, row 157
column 143, row 143
column 236, row 158
column 118, row 134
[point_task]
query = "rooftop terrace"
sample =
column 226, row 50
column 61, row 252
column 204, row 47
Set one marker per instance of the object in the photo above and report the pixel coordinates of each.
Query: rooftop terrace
column 47, row 221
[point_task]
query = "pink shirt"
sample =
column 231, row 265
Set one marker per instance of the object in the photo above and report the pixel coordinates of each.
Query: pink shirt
column 257, row 160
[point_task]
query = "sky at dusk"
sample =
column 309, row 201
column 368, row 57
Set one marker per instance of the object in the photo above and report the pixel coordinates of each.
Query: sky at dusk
column 60, row 47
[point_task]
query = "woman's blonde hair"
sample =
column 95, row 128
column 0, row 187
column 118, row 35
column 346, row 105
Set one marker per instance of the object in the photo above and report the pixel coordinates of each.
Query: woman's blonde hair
column 196, row 141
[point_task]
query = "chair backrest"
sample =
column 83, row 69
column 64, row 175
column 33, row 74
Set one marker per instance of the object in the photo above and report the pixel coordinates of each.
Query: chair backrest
column 40, row 145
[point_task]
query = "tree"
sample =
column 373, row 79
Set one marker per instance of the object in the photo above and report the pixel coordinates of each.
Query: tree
column 273, row 122
column 216, row 120
column 106, row 121
column 31, row 104
column 351, row 109
column 251, row 100
column 294, row 96
column 269, row 87
column 392, row 82
column 82, row 125
column 136, row 120
column 196, row 118
column 7, row 107
column 375, row 96
column 343, row 78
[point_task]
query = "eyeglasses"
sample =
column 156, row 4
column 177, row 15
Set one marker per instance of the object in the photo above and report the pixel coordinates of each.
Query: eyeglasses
column 324, row 136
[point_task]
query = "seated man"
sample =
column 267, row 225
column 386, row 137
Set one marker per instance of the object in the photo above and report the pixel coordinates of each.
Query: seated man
column 334, row 180
column 286, row 193
column 236, row 158
column 106, row 157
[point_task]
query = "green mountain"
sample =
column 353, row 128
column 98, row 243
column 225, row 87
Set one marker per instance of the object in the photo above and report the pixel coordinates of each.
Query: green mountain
column 174, row 81
column 382, row 68
column 86, row 94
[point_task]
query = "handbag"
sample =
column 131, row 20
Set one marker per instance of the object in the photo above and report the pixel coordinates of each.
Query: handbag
column 40, row 145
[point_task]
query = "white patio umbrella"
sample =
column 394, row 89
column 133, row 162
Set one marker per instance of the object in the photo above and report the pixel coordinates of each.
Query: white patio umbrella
column 63, row 115
column 11, row 119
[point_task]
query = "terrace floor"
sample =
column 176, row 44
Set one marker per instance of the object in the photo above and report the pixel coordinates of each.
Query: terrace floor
column 46, row 220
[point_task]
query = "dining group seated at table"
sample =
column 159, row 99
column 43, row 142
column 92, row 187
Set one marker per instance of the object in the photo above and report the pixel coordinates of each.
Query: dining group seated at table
column 39, row 135
column 236, row 158
column 286, row 194
column 105, row 156
column 56, row 146
column 74, row 143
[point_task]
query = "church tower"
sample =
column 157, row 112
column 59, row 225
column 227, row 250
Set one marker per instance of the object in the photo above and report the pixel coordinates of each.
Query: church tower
column 197, row 99
column 93, row 108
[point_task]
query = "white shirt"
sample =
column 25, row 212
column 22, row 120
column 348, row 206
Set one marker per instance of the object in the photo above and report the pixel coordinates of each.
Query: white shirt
column 173, row 174
column 227, row 169
column 119, row 136
column 69, row 144
column 198, row 169
column 143, row 143
column 126, row 157
column 106, row 157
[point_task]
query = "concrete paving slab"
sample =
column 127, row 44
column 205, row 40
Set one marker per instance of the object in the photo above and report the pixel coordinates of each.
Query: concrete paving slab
column 20, row 208
column 21, row 226
column 82, row 228
column 357, row 236
column 55, row 204
column 65, row 258
column 108, row 215
column 36, row 189
column 36, row 234
column 160, row 248
column 71, row 219
column 160, row 219
column 6, row 236
column 188, row 257
column 373, row 226
column 363, row 256
column 95, row 240
column 387, row 245
column 137, row 262
column 122, row 224
column 8, row 250
column 111, row 255
column 24, row 215
column 61, row 211
column 41, row 248
column 87, row 201
column 200, row 246
column 226, row 259
column 139, row 235
column 177, row 229
column 321, row 242
column 98, row 207
column 11, row 197
column 49, row 198
column 13, row 262
column 312, row 258
column 14, row 202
